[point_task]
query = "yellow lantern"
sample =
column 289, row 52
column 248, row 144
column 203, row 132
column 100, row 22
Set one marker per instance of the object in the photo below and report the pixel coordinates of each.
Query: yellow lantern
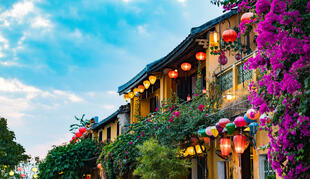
column 199, row 149
column 141, row 88
column 152, row 79
column 35, row 176
column 11, row 173
column 135, row 91
column 146, row 84
column 126, row 97
column 131, row 95
column 190, row 150
column 34, row 169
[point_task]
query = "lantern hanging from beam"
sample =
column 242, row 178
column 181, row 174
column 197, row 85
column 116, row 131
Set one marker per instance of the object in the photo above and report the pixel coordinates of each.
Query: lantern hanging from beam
column 141, row 88
column 190, row 150
column 136, row 90
column 146, row 84
column 126, row 97
column 82, row 130
column 246, row 17
column 152, row 79
column 229, row 35
column 239, row 143
column 173, row 74
column 201, row 56
column 225, row 146
column 78, row 134
column 186, row 66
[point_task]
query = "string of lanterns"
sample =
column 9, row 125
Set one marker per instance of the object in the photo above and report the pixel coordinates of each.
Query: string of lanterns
column 225, row 127
column 78, row 134
column 140, row 89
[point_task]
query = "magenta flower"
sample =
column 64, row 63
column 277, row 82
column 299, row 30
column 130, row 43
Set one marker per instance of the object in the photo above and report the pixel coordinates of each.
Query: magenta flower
column 156, row 109
column 196, row 94
column 201, row 107
column 176, row 113
column 142, row 134
column 138, row 137
column 127, row 152
column 171, row 119
column 130, row 143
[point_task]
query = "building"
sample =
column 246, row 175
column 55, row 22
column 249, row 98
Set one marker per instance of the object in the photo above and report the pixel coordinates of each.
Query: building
column 159, row 79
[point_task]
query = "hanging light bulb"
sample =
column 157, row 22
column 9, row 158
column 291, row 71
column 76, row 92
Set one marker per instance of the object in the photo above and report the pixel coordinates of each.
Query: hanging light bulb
column 146, row 84
column 152, row 79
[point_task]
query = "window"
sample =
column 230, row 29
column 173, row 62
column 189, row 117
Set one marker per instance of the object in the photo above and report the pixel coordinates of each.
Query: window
column 117, row 130
column 247, row 74
column 226, row 80
column 265, row 169
column 108, row 133
column 100, row 136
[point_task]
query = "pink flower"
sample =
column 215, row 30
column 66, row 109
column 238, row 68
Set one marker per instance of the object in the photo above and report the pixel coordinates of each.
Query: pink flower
column 156, row 109
column 196, row 94
column 201, row 107
column 138, row 137
column 176, row 113
column 130, row 143
column 127, row 152
column 142, row 134
column 171, row 119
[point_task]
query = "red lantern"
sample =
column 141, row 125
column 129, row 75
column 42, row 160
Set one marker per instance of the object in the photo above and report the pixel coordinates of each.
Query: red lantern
column 23, row 175
column 239, row 142
column 246, row 17
column 78, row 134
column 173, row 74
column 19, row 169
column 82, row 130
column 240, row 122
column 206, row 140
column 186, row 66
column 189, row 98
column 229, row 35
column 225, row 146
column 194, row 140
column 223, row 122
column 201, row 56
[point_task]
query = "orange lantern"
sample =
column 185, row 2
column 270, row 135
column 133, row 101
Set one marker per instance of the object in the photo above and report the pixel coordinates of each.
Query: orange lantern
column 146, row 84
column 189, row 98
column 240, row 144
column 131, row 95
column 225, row 146
column 173, row 74
column 206, row 140
column 246, row 17
column 186, row 66
column 126, row 97
column 136, row 90
column 201, row 56
column 229, row 35
column 141, row 88
column 152, row 79
column 99, row 166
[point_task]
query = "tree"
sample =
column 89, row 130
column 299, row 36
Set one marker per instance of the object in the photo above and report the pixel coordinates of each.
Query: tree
column 11, row 153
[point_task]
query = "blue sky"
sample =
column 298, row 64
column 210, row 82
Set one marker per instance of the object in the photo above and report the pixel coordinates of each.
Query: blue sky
column 64, row 58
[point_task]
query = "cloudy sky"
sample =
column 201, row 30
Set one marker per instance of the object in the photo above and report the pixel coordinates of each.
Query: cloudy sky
column 61, row 58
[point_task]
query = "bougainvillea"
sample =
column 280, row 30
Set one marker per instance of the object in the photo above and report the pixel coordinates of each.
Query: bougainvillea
column 283, row 88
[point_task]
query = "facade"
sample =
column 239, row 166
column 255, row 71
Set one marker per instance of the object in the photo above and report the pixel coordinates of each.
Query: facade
column 145, row 94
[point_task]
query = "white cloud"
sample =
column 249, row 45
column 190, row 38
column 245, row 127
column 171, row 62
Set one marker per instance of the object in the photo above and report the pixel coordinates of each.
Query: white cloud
column 18, row 12
column 112, row 92
column 40, row 22
column 72, row 97
column 109, row 106
column 142, row 29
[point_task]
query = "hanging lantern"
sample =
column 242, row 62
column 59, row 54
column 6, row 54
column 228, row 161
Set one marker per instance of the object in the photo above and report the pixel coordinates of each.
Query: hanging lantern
column 78, row 134
column 238, row 56
column 240, row 122
column 208, row 131
column 215, row 37
column 230, row 127
column 239, row 143
column 223, row 122
column 202, row 132
column 246, row 17
column 173, row 74
column 20, row 169
column 146, row 84
column 253, row 114
column 126, row 97
column 131, row 95
column 253, row 128
column 141, row 88
column 99, row 166
column 34, row 169
column 229, row 35
column 206, row 140
column 214, row 131
column 222, row 59
column 152, row 79
column 82, row 130
column 219, row 128
column 188, row 98
column 199, row 149
column 11, row 173
column 201, row 56
column 35, row 176
column 186, row 66
column 135, row 91
column 190, row 150
column 225, row 146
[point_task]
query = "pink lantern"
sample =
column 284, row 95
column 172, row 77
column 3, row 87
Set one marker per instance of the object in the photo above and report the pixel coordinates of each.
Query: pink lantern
column 222, row 59
column 23, row 175
column 20, row 169
column 223, row 122
column 240, row 122
column 209, row 131
column 82, row 130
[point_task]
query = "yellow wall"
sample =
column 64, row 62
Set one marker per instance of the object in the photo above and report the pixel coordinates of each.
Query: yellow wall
column 113, row 126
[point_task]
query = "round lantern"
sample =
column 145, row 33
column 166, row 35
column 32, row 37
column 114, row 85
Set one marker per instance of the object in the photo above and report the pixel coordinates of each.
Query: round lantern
column 214, row 131
column 35, row 176
column 246, row 17
column 202, row 132
column 34, row 169
column 20, row 169
column 173, row 74
column 199, row 149
column 219, row 128
column 136, row 90
column 223, row 122
column 208, row 131
column 152, row 79
column 78, row 134
column 99, row 166
column 186, row 66
column 253, row 114
column 190, row 150
column 229, row 35
column 222, row 59
column 225, row 146
column 230, row 127
column 126, row 97
column 141, row 88
column 238, row 56
column 240, row 122
column 131, row 95
column 23, row 175
column 146, row 84
column 11, row 173
column 239, row 143
column 201, row 56
column 82, row 130
column 253, row 128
